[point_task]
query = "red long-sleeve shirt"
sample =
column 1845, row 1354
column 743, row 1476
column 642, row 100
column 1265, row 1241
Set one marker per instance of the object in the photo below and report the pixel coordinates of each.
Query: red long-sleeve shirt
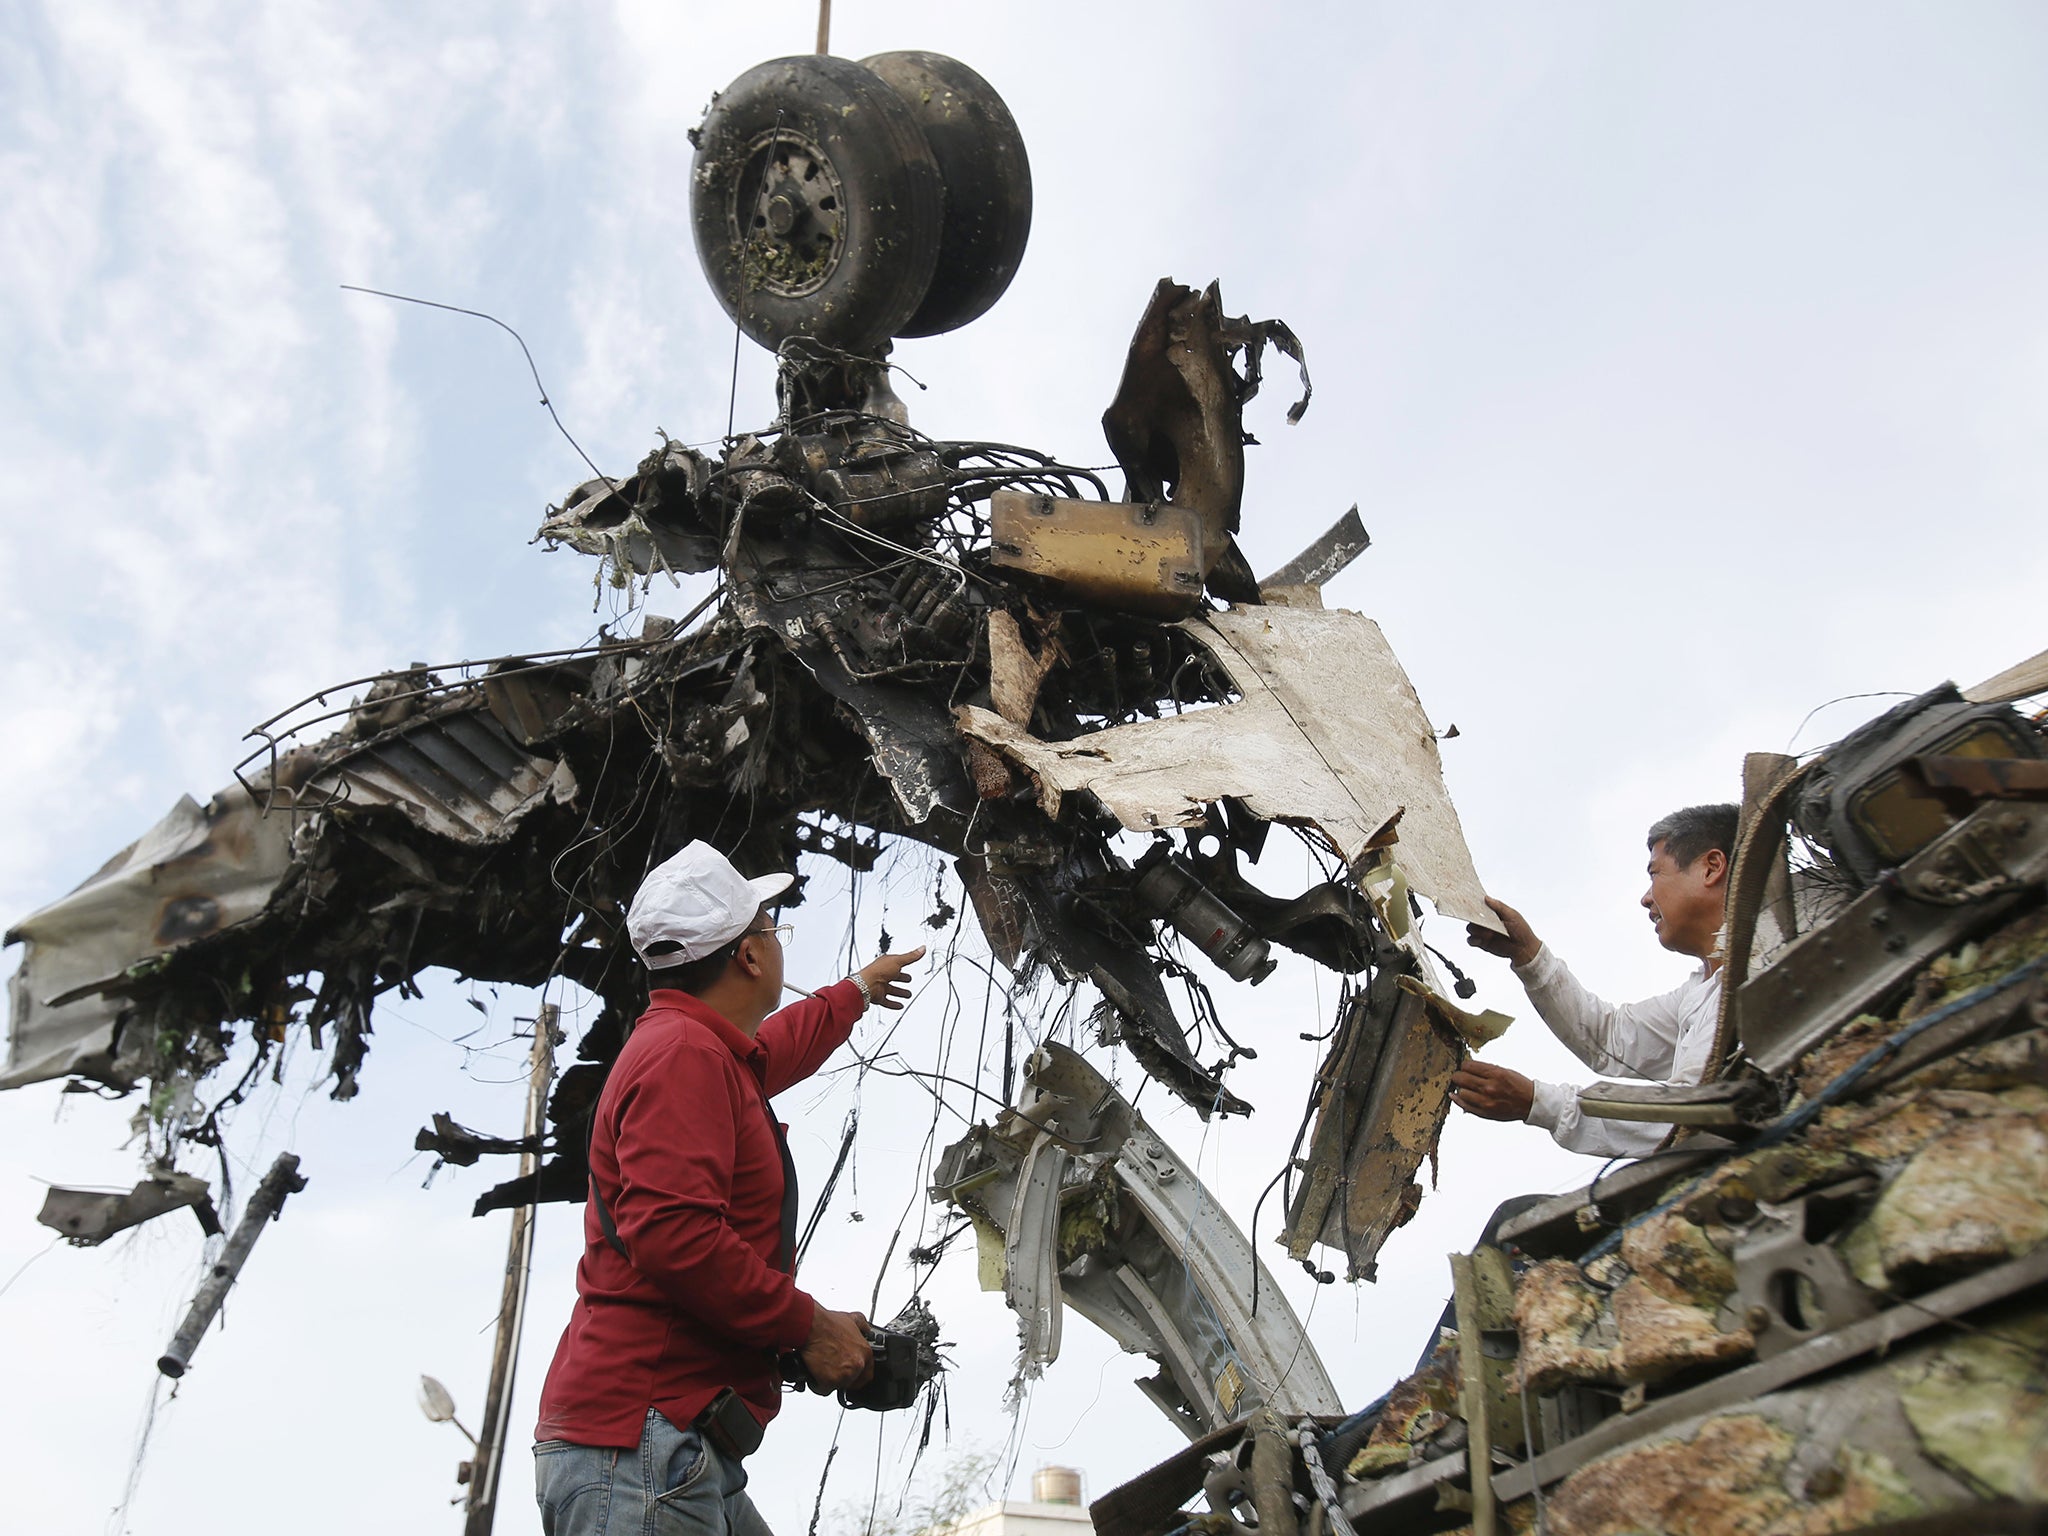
column 683, row 1155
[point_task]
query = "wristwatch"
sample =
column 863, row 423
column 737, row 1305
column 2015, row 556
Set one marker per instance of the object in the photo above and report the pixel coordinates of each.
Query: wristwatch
column 867, row 997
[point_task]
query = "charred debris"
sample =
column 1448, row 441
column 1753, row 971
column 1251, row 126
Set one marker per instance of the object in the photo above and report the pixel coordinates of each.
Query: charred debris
column 969, row 645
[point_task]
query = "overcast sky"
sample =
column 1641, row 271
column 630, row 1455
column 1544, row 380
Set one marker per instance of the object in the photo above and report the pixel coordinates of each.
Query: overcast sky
column 1688, row 364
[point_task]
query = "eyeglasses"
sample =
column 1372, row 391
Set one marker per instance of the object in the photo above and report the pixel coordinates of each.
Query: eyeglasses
column 782, row 932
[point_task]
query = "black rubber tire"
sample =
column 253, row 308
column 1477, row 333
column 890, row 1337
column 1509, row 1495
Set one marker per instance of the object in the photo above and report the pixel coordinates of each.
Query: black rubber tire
column 988, row 184
column 852, row 274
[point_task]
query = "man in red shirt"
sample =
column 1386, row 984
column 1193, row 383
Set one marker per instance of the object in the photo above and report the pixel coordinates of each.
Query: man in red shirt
column 667, row 1372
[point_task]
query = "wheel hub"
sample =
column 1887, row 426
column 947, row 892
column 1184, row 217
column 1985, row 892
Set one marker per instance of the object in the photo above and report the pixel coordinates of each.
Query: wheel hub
column 788, row 215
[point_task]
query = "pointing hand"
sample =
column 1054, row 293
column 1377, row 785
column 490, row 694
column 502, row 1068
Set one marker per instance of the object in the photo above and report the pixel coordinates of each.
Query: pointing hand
column 888, row 977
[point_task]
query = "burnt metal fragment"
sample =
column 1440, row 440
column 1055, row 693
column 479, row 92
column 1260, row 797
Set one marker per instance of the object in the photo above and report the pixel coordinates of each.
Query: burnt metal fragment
column 88, row 1217
column 280, row 1182
column 874, row 613
column 1176, row 425
column 1333, row 550
column 1078, row 1202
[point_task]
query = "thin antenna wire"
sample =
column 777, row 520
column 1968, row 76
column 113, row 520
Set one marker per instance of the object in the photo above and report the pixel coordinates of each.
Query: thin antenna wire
column 732, row 398
column 457, row 309
column 1885, row 693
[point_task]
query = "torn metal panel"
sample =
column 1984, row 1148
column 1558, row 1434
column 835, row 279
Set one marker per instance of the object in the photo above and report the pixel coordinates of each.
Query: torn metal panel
column 1031, row 1249
column 1138, row 1247
column 197, row 873
column 1176, row 425
column 88, row 1217
column 1381, row 1100
column 1328, row 730
column 532, row 701
column 458, row 775
column 453, row 773
column 659, row 518
column 1005, row 908
column 1299, row 583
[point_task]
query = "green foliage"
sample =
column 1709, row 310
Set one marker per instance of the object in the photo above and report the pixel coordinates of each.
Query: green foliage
column 939, row 1493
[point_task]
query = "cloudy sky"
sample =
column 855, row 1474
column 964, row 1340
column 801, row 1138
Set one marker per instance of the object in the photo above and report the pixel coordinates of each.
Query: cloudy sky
column 1688, row 363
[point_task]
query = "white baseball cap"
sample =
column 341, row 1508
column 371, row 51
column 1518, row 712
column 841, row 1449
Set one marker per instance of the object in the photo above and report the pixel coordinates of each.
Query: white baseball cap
column 694, row 902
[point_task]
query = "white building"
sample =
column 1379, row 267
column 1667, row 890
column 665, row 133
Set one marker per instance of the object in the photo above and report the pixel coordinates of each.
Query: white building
column 1054, row 1509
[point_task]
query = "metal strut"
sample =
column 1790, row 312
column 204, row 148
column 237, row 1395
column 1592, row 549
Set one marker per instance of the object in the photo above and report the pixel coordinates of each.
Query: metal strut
column 282, row 1180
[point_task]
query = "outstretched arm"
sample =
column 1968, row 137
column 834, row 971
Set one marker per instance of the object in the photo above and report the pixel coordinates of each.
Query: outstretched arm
column 800, row 1037
column 1628, row 1039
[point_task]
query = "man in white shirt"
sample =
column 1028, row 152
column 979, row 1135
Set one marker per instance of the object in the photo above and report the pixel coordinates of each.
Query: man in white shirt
column 1664, row 1039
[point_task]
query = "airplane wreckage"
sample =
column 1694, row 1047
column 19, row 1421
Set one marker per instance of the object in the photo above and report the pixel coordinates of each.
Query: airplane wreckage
column 1819, row 1308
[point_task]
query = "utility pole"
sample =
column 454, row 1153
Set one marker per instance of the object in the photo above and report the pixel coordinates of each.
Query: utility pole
column 490, row 1443
column 824, row 26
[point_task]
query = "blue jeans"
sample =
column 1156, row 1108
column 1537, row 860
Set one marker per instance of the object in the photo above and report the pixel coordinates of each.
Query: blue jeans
column 675, row 1483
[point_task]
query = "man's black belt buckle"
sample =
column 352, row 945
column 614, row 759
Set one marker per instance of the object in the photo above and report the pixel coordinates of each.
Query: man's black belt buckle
column 730, row 1425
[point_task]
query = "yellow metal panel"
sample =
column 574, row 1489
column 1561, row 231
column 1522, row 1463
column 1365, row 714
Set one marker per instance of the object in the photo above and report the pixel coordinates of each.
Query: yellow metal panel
column 1143, row 557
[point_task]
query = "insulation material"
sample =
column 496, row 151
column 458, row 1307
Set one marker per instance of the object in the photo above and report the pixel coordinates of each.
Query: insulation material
column 1416, row 1410
column 1555, row 1311
column 1015, row 673
column 1660, row 1320
column 1328, row 730
column 1662, row 1335
column 1734, row 1477
column 1980, row 1406
column 1974, row 1194
column 1884, row 1442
